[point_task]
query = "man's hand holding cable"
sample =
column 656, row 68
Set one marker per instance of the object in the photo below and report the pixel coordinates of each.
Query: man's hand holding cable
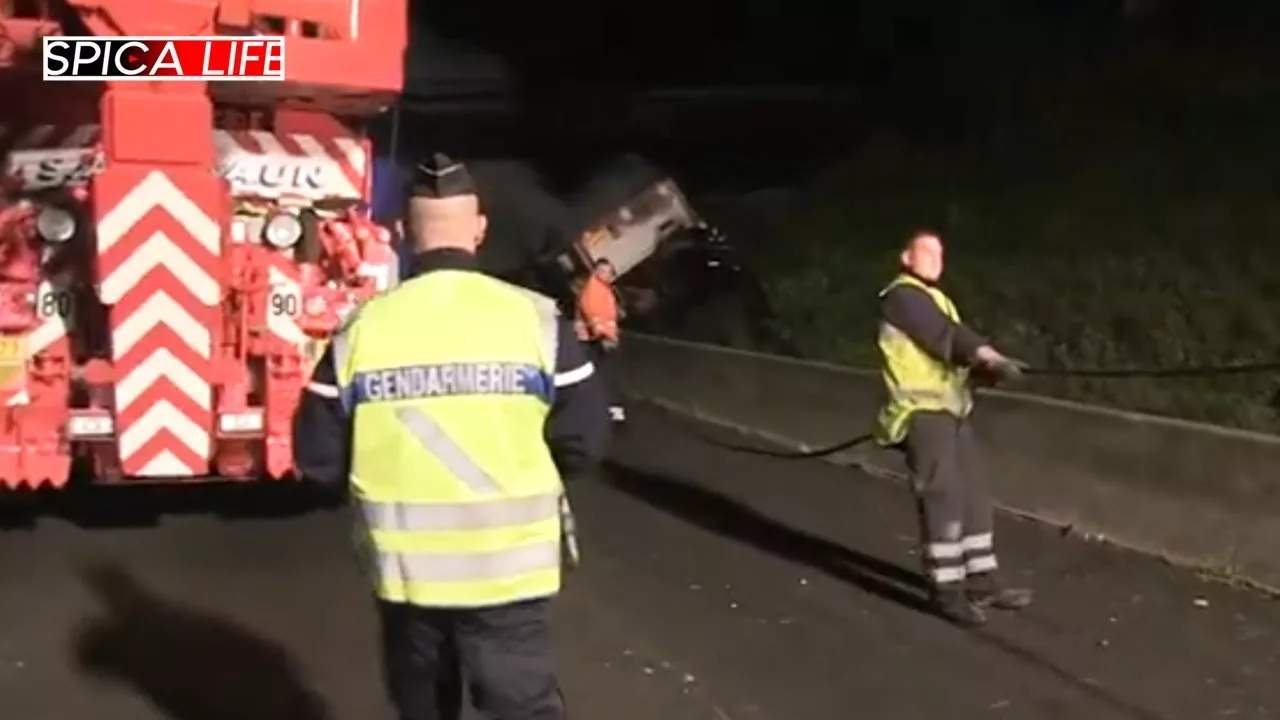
column 992, row 362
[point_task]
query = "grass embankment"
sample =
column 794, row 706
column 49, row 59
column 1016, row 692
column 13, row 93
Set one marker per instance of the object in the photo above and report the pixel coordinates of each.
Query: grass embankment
column 1077, row 237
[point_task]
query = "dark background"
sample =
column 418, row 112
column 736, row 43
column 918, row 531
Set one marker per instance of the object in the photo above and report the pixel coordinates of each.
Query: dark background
column 1104, row 171
column 760, row 92
column 897, row 54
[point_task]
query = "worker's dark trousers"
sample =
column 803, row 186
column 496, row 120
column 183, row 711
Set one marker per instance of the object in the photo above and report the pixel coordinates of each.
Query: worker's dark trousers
column 603, row 362
column 953, row 498
column 504, row 653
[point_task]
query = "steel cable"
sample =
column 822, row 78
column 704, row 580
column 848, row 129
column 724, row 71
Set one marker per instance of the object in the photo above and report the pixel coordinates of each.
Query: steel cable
column 1153, row 372
column 1029, row 371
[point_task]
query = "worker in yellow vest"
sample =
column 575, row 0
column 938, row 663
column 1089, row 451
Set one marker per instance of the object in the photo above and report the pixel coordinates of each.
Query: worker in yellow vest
column 452, row 407
column 930, row 358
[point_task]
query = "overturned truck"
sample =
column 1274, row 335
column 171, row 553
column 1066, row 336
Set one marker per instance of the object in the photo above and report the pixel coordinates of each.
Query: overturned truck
column 669, row 260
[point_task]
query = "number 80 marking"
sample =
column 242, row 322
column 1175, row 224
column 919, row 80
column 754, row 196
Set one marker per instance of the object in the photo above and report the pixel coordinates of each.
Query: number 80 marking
column 54, row 303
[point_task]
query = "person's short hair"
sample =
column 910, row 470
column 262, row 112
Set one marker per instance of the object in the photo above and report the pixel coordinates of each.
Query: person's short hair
column 603, row 262
column 917, row 234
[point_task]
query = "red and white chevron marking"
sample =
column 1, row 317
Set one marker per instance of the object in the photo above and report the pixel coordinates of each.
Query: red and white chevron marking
column 49, row 136
column 343, row 161
column 154, row 247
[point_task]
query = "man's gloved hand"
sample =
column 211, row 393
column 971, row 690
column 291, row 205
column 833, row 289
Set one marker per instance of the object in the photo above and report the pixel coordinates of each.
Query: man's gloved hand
column 994, row 365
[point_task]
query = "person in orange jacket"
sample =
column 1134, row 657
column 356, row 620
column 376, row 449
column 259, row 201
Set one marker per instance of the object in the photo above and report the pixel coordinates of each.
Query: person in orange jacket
column 597, row 325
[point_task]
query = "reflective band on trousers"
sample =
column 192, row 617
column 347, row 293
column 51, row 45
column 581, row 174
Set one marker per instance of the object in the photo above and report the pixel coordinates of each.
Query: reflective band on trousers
column 406, row 568
column 947, row 574
column 986, row 563
column 945, row 551
column 483, row 515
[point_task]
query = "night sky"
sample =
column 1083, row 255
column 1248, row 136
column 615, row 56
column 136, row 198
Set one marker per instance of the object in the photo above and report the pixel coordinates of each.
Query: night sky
column 862, row 42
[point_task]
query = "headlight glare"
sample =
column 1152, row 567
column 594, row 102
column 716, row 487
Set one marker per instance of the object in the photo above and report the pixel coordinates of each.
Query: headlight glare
column 282, row 231
column 55, row 224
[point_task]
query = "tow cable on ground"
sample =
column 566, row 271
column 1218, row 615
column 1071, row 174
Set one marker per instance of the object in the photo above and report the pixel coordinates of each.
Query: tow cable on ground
column 1113, row 373
column 1152, row 372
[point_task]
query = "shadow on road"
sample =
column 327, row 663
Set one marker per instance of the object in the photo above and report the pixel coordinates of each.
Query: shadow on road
column 192, row 665
column 730, row 518
column 136, row 506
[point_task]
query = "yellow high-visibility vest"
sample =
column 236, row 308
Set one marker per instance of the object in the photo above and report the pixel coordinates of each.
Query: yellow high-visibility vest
column 913, row 379
column 458, row 495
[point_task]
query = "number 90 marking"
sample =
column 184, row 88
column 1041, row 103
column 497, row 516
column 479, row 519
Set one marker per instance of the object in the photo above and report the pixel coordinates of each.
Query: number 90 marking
column 284, row 302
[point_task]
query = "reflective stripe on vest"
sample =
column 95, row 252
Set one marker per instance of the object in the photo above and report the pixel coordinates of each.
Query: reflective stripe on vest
column 913, row 379
column 459, row 496
column 415, row 517
column 405, row 567
column 408, row 569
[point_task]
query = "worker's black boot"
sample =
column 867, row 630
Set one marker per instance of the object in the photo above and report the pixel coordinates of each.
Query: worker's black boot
column 986, row 591
column 951, row 604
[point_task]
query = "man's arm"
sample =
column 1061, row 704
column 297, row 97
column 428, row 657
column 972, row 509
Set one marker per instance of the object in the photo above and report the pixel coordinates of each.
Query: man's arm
column 578, row 428
column 322, row 429
column 913, row 312
column 619, row 303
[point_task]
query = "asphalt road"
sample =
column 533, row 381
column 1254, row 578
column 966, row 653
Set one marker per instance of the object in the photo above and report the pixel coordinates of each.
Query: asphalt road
column 716, row 586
